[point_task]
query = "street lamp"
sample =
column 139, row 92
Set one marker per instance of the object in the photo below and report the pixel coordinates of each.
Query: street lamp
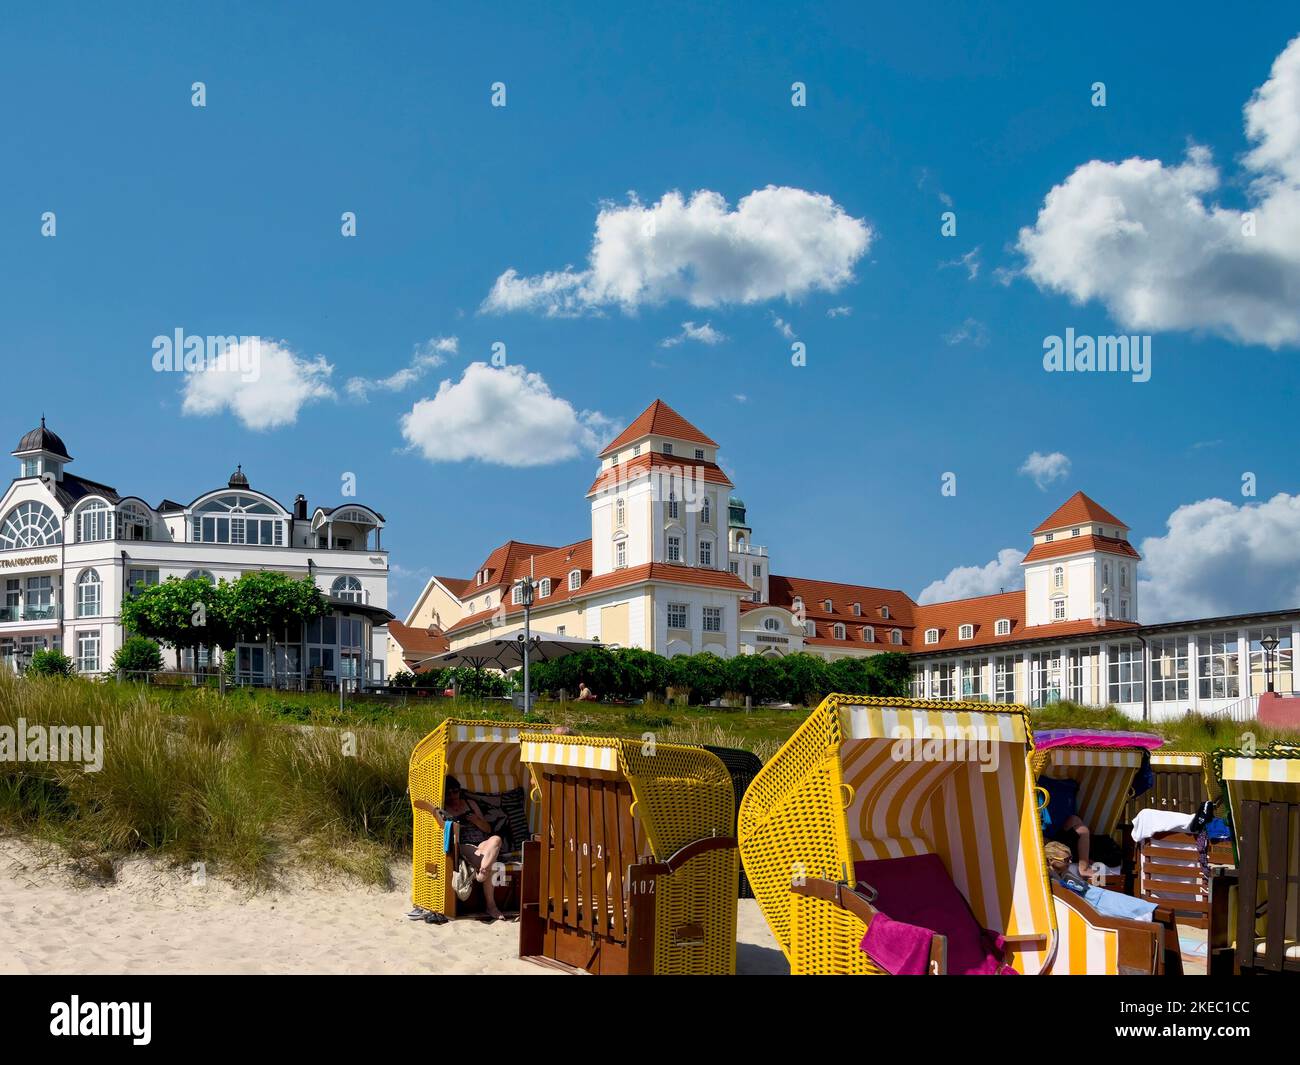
column 526, row 589
column 1269, row 643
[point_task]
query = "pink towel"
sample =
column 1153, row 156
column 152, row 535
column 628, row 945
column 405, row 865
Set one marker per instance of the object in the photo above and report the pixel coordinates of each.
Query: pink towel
column 900, row 949
column 918, row 895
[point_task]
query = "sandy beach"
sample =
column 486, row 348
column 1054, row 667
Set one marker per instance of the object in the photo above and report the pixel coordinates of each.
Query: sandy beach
column 157, row 920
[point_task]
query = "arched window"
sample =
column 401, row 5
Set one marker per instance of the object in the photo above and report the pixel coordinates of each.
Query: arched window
column 1058, row 577
column 1123, row 576
column 706, row 512
column 620, row 512
column 772, row 624
column 827, row 605
column 347, row 589
column 966, row 632
column 30, row 525
column 931, row 635
column 236, row 518
column 1002, row 627
column 896, row 636
column 1105, row 574
column 838, row 629
column 200, row 574
column 884, row 612
column 857, row 610
column 134, row 522
column 94, row 522
column 89, row 599
column 544, row 587
column 672, row 506
column 575, row 579
column 868, row 634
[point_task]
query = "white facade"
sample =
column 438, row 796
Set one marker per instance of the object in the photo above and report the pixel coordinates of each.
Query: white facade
column 71, row 549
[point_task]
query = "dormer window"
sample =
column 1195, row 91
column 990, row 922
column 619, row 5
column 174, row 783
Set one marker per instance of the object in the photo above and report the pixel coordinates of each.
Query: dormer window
column 699, row 454
column 517, row 593
column 857, row 610
column 896, row 637
column 931, row 635
column 838, row 630
column 575, row 579
column 1049, row 536
column 868, row 634
column 544, row 587
column 884, row 612
column 966, row 632
column 827, row 605
column 1002, row 627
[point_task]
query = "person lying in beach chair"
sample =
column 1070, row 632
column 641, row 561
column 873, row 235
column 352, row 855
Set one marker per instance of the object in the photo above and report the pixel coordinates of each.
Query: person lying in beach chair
column 480, row 845
column 1106, row 902
column 1064, row 825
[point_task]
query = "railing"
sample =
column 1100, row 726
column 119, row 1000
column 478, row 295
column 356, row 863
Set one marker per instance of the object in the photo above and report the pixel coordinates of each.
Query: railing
column 750, row 549
column 8, row 613
column 40, row 613
column 1246, row 709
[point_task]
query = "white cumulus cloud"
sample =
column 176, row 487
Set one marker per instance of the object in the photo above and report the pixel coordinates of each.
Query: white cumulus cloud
column 778, row 242
column 271, row 396
column 1148, row 240
column 505, row 416
column 427, row 356
column 1044, row 469
column 704, row 334
column 1218, row 558
column 1003, row 574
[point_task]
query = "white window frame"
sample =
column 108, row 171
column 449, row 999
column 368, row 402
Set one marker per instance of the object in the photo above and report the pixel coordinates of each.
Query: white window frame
column 673, row 549
column 896, row 637
column 575, row 579
column 931, row 636
column 679, row 612
column 706, row 554
column 620, row 554
column 1002, row 627
column 838, row 630
column 966, row 632
column 87, row 606
column 711, row 619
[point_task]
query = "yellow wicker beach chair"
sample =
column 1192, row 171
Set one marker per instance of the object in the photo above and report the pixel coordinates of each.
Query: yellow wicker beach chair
column 634, row 870
column 484, row 757
column 1255, row 908
column 865, row 779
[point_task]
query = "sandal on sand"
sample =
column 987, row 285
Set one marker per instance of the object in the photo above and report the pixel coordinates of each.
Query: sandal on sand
column 435, row 918
column 487, row 918
column 417, row 914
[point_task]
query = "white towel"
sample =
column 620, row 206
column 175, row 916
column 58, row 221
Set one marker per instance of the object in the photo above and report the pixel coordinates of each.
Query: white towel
column 1148, row 822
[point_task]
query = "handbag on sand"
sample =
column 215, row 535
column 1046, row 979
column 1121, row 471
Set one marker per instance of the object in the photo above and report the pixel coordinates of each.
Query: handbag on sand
column 462, row 880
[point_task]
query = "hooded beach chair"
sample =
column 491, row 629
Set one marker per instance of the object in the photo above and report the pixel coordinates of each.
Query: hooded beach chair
column 743, row 766
column 484, row 758
column 1255, row 909
column 926, row 808
column 634, row 869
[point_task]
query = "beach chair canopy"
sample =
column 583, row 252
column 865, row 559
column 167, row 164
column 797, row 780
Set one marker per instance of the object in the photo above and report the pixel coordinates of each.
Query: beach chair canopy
column 1103, row 762
column 866, row 779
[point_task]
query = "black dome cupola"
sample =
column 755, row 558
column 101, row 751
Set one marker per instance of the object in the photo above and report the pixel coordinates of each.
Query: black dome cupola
column 238, row 479
column 42, row 439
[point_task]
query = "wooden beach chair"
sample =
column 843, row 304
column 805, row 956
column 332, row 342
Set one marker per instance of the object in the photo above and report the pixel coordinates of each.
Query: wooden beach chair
column 944, row 787
column 1255, row 908
column 484, row 757
column 634, row 869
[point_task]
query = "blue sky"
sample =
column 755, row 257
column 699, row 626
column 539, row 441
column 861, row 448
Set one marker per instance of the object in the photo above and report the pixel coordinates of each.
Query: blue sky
column 226, row 220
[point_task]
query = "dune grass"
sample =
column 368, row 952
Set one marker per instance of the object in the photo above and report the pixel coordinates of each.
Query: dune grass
column 257, row 781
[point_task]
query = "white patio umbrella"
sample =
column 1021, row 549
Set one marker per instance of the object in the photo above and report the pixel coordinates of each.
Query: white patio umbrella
column 511, row 650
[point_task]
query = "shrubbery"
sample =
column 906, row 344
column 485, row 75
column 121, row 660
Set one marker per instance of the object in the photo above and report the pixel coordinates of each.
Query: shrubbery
column 467, row 681
column 631, row 673
column 50, row 663
column 138, row 654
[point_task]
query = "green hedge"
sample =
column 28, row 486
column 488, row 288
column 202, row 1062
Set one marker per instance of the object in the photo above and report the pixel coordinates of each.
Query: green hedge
column 631, row 673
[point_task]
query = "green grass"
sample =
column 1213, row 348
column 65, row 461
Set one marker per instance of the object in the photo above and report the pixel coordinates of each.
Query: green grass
column 258, row 780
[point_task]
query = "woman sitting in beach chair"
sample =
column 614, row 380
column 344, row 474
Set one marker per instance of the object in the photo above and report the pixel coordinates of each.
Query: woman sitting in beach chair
column 480, row 845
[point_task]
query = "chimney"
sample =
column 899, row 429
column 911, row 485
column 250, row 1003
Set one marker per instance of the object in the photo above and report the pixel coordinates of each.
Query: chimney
column 300, row 507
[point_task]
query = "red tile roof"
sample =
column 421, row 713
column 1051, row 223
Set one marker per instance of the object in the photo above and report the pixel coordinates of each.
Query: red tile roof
column 417, row 643
column 983, row 612
column 654, row 460
column 455, row 585
column 1072, row 545
column 661, row 420
column 1078, row 508
column 782, row 592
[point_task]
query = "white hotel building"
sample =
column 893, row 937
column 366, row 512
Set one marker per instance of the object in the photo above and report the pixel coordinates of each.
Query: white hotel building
column 671, row 566
column 72, row 548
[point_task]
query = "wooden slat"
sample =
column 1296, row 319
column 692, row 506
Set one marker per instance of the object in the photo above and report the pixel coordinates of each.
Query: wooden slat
column 570, row 852
column 554, row 830
column 1184, row 854
column 582, row 855
column 1248, row 847
column 1275, row 923
column 599, row 893
column 617, row 865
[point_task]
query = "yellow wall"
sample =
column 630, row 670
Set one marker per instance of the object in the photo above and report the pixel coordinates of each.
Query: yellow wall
column 614, row 624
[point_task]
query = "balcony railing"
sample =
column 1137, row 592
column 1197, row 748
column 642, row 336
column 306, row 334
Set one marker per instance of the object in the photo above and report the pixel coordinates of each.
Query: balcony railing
column 750, row 549
column 8, row 613
column 40, row 613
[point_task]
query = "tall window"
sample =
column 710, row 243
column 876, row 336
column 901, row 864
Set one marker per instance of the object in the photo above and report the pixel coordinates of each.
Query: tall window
column 346, row 588
column 238, row 519
column 88, row 651
column 620, row 554
column 1169, row 677
column 941, row 680
column 712, row 619
column 1080, row 679
column 673, row 512
column 972, row 679
column 1105, row 574
column 896, row 636
column 677, row 616
column 30, row 525
column 706, row 552
column 1058, row 610
column 517, row 593
column 868, row 634
column 89, row 598
column 94, row 522
column 544, row 587
column 1005, row 668
column 1126, row 673
column 620, row 512
column 827, row 606
column 1123, row 576
column 1058, row 577
column 1216, row 666
column 838, row 630
column 39, row 603
column 884, row 612
column 919, row 683
column 1045, row 677
column 1282, row 660
column 674, row 549
column 575, row 579
column 706, row 512
column 134, row 522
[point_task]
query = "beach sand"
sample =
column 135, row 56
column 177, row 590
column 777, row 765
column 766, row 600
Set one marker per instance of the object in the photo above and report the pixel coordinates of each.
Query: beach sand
column 153, row 919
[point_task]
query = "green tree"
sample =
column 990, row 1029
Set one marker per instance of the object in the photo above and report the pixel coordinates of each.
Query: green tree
column 805, row 678
column 891, row 674
column 51, row 663
column 638, row 672
column 703, row 674
column 755, row 676
column 183, row 614
column 263, row 605
column 138, row 654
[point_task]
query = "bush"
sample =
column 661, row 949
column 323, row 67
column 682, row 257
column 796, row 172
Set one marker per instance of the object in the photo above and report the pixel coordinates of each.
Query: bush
column 755, row 676
column 138, row 654
column 51, row 663
column 704, row 675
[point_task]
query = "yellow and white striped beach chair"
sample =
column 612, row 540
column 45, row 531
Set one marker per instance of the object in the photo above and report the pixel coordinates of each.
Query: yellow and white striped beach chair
column 484, row 757
column 1255, row 909
column 634, row 870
